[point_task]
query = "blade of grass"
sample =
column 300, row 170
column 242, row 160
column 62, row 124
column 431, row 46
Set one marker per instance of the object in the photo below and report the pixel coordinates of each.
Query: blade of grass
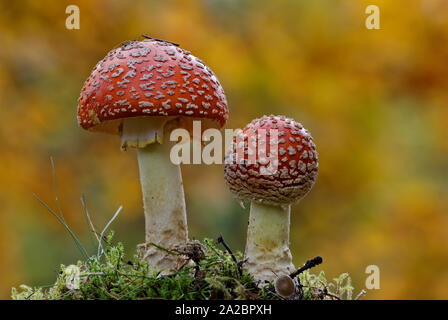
column 88, row 221
column 95, row 233
column 163, row 249
column 77, row 242
column 55, row 189
column 100, row 249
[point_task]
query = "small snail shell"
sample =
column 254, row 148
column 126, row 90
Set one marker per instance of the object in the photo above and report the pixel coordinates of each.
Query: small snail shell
column 284, row 286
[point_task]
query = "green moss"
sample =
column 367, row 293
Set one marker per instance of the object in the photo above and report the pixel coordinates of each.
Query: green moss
column 213, row 275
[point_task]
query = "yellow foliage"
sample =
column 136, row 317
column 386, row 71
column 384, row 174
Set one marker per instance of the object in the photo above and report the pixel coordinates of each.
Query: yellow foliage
column 375, row 102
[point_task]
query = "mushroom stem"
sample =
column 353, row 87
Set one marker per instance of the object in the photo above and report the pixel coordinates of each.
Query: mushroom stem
column 164, row 204
column 162, row 189
column 267, row 245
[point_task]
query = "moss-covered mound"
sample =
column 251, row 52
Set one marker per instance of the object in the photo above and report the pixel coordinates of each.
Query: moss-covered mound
column 208, row 273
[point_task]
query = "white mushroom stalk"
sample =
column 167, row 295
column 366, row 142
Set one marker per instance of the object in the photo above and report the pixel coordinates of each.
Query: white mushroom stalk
column 162, row 190
column 267, row 245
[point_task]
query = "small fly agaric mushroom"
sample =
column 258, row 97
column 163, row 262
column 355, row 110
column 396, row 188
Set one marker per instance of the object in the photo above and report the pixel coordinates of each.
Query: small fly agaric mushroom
column 271, row 193
column 141, row 91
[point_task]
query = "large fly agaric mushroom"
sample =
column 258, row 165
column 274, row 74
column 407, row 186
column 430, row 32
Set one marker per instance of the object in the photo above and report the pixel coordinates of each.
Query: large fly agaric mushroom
column 141, row 91
column 271, row 193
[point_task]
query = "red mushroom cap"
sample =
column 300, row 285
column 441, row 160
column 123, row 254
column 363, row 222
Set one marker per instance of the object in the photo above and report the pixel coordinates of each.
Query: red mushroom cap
column 297, row 164
column 149, row 78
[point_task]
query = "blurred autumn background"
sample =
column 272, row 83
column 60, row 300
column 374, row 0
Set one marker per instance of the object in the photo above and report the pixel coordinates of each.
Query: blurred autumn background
column 375, row 102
